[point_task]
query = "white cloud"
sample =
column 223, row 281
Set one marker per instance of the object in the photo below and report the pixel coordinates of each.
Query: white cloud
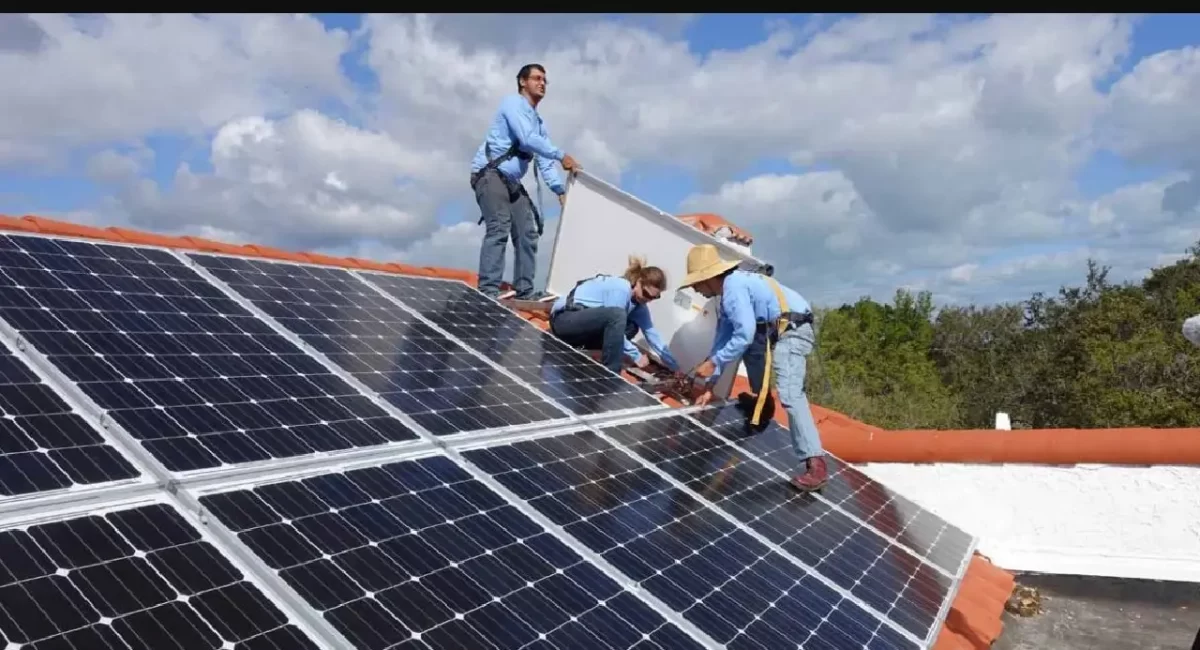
column 1153, row 120
column 947, row 148
column 109, row 166
column 88, row 80
column 305, row 182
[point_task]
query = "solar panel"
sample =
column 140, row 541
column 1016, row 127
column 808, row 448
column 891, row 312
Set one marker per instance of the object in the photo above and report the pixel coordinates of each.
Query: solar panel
column 418, row 554
column 853, row 556
column 930, row 536
column 722, row 579
column 44, row 445
column 558, row 371
column 441, row 385
column 132, row 579
column 199, row 380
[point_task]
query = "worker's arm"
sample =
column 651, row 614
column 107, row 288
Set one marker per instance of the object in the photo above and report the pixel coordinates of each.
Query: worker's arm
column 525, row 128
column 641, row 316
column 722, row 337
column 739, row 314
column 550, row 174
column 618, row 294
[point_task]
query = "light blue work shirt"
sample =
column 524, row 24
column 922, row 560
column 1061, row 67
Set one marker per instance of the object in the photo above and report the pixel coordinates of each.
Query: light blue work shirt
column 518, row 121
column 615, row 291
column 747, row 299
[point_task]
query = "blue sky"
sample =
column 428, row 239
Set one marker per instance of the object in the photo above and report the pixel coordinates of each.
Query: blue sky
column 63, row 186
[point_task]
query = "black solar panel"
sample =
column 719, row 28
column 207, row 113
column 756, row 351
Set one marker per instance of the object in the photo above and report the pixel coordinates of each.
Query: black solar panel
column 563, row 374
column 193, row 375
column 134, row 579
column 856, row 558
column 719, row 577
column 932, row 537
column 43, row 444
column 440, row 384
column 418, row 554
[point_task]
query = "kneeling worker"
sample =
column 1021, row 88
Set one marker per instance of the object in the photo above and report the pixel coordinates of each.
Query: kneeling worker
column 607, row 311
column 767, row 326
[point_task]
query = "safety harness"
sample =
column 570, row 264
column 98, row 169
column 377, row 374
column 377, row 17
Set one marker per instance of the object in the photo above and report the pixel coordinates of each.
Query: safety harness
column 786, row 320
column 570, row 305
column 514, row 188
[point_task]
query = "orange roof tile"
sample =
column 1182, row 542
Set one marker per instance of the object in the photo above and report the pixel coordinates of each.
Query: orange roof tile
column 974, row 620
column 710, row 223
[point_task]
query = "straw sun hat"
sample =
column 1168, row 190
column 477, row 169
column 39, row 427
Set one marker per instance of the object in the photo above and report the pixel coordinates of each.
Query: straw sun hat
column 704, row 262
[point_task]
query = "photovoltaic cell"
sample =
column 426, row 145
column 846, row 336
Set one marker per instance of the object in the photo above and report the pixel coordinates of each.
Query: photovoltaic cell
column 563, row 374
column 134, row 579
column 856, row 558
column 716, row 575
column 440, row 384
column 935, row 539
column 193, row 375
column 44, row 445
column 419, row 554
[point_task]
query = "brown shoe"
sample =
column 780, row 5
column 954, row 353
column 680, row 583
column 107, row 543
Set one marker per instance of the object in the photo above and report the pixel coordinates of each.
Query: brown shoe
column 814, row 478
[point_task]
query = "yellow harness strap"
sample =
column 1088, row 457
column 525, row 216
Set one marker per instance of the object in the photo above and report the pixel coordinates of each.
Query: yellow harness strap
column 780, row 327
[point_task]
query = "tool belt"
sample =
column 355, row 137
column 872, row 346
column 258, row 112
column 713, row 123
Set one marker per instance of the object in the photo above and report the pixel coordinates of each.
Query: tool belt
column 786, row 322
column 515, row 188
column 570, row 305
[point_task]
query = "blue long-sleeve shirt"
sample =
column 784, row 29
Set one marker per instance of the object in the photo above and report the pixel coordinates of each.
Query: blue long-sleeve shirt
column 614, row 291
column 747, row 298
column 517, row 121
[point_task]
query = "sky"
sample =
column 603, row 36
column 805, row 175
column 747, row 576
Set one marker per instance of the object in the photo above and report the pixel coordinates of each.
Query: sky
column 980, row 157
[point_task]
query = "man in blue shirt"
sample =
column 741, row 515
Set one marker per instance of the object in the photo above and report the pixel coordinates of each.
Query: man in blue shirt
column 759, row 319
column 607, row 311
column 516, row 136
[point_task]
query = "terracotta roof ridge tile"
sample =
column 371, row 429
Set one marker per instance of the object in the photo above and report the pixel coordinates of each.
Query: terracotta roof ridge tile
column 47, row 226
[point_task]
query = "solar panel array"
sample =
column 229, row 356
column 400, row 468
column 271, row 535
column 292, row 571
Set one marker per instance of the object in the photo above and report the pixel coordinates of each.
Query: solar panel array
column 899, row 519
column 206, row 451
column 438, row 383
column 853, row 556
column 195, row 377
column 546, row 363
column 44, row 445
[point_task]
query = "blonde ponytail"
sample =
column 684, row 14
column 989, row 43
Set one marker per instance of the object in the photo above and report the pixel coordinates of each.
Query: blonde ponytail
column 647, row 275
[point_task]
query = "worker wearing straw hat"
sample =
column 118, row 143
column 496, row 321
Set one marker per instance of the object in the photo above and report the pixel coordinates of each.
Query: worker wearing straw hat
column 767, row 326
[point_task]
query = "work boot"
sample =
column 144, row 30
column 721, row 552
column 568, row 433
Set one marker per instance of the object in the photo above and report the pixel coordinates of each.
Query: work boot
column 539, row 296
column 815, row 476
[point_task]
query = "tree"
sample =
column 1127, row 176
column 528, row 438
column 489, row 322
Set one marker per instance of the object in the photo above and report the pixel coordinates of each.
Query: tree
column 874, row 361
column 1095, row 355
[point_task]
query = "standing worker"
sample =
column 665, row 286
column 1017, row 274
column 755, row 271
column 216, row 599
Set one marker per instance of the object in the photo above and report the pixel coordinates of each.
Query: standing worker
column 768, row 326
column 516, row 136
column 607, row 311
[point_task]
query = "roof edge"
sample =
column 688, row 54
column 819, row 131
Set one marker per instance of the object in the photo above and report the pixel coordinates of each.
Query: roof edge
column 43, row 225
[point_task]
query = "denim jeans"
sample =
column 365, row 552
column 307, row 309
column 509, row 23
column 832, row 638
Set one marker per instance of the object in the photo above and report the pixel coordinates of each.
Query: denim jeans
column 505, row 212
column 789, row 361
column 603, row 328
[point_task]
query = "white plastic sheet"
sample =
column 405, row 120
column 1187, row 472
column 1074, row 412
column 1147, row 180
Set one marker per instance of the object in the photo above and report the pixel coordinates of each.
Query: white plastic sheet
column 1191, row 329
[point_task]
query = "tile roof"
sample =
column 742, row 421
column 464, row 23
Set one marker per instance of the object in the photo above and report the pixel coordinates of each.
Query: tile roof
column 711, row 223
column 974, row 620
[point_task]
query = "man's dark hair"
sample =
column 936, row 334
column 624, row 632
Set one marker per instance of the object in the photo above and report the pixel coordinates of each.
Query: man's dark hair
column 527, row 70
